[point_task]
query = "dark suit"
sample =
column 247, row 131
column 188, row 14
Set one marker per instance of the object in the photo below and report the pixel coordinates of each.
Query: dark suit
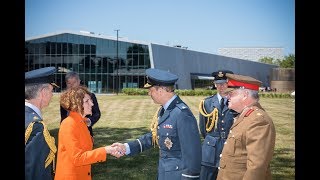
column 215, row 138
column 179, row 143
column 36, row 149
column 95, row 113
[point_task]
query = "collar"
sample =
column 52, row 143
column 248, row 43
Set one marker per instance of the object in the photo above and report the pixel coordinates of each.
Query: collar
column 33, row 107
column 77, row 116
column 219, row 97
column 166, row 105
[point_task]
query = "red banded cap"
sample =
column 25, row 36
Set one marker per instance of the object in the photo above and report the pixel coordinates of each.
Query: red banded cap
column 240, row 81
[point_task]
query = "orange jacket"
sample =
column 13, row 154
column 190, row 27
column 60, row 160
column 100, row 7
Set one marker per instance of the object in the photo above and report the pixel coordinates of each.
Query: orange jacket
column 75, row 154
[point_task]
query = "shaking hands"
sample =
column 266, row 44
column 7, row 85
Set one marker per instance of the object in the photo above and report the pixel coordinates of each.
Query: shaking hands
column 116, row 149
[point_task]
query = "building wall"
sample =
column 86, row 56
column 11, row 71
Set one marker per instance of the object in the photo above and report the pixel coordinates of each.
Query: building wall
column 283, row 79
column 183, row 62
column 93, row 57
column 253, row 53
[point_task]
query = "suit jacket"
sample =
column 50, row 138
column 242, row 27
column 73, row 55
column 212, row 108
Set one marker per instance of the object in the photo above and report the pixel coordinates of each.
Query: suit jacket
column 179, row 141
column 75, row 154
column 214, row 139
column 96, row 114
column 36, row 149
column 249, row 148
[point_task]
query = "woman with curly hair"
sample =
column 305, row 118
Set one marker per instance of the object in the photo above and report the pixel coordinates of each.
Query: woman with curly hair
column 75, row 144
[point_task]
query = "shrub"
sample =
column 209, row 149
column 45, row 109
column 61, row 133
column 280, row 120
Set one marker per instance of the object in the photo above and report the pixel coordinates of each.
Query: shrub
column 201, row 92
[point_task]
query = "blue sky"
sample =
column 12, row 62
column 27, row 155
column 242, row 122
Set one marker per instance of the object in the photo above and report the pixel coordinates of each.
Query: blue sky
column 200, row 25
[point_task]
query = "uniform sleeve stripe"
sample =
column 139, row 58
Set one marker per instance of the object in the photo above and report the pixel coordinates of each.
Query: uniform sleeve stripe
column 140, row 145
column 189, row 176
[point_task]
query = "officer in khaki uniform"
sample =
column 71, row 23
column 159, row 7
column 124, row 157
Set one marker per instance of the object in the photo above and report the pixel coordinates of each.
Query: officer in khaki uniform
column 249, row 148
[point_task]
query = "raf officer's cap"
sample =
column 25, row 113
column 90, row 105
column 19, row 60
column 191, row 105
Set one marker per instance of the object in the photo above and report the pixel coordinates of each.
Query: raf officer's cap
column 239, row 81
column 157, row 77
column 41, row 76
column 220, row 76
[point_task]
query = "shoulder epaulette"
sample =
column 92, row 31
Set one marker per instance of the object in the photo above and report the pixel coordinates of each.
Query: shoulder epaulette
column 209, row 97
column 249, row 112
column 182, row 106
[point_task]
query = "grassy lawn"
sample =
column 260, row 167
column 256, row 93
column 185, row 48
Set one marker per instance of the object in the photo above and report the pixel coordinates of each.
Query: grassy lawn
column 127, row 117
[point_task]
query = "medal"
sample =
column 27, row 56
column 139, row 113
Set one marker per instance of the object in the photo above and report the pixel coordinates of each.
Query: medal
column 168, row 143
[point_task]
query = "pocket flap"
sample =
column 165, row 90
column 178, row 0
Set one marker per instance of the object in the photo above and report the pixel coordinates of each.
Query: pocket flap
column 210, row 141
column 171, row 165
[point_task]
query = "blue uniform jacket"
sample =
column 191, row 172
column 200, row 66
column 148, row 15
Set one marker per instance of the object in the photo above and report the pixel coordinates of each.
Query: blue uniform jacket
column 214, row 139
column 36, row 150
column 179, row 141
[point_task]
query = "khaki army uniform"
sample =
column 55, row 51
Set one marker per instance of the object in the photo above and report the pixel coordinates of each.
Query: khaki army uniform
column 249, row 147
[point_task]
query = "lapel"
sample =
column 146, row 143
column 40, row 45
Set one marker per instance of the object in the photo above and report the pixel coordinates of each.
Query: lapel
column 82, row 129
column 166, row 113
column 215, row 103
column 225, row 105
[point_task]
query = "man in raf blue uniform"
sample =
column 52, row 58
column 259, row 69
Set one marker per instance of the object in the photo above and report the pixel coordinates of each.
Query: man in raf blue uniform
column 174, row 130
column 40, row 148
column 215, row 120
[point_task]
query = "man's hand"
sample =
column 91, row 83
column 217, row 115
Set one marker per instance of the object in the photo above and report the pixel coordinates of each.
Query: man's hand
column 116, row 149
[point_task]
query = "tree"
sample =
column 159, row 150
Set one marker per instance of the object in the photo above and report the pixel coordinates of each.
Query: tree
column 267, row 60
column 288, row 61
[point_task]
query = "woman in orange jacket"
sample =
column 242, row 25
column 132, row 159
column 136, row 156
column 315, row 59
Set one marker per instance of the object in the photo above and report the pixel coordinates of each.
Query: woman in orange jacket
column 75, row 154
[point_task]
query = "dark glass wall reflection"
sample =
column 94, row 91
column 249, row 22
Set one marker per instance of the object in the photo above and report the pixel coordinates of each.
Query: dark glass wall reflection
column 95, row 59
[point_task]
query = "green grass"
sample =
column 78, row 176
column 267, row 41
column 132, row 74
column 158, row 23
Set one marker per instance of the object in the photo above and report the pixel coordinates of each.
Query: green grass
column 127, row 117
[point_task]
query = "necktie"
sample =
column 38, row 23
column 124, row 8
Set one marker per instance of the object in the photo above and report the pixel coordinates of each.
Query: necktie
column 222, row 103
column 161, row 112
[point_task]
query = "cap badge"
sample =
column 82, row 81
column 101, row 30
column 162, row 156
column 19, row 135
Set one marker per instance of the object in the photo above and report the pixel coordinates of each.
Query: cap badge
column 168, row 143
column 220, row 74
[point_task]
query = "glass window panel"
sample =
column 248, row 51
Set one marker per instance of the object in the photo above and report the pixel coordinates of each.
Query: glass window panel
column 87, row 49
column 69, row 48
column 75, row 49
column 81, row 48
column 64, row 48
column 59, row 47
column 53, row 47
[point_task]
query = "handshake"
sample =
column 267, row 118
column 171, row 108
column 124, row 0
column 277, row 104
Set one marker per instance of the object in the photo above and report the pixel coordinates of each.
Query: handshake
column 116, row 149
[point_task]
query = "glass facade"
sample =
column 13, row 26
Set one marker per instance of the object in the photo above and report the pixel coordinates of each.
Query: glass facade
column 104, row 65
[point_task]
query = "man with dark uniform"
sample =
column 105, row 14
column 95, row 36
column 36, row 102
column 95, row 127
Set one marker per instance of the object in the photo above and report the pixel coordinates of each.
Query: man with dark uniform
column 248, row 150
column 215, row 120
column 174, row 130
column 40, row 148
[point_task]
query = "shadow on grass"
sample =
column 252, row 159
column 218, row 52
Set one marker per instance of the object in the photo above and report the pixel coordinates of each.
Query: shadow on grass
column 283, row 164
column 144, row 165
column 141, row 166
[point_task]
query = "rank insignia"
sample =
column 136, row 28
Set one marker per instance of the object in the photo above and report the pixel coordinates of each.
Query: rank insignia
column 167, row 126
column 168, row 143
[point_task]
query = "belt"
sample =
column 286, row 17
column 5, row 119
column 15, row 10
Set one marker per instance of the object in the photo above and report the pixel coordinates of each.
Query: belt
column 169, row 154
column 218, row 134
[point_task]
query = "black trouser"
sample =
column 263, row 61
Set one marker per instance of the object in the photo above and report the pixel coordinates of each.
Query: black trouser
column 208, row 173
